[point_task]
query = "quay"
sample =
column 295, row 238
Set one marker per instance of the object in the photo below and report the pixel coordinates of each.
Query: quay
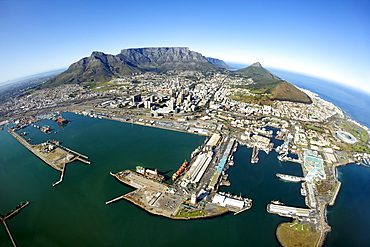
column 288, row 211
column 165, row 200
column 194, row 193
column 71, row 151
column 52, row 153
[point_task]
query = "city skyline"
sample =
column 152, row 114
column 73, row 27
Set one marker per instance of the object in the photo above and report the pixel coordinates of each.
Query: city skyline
column 324, row 39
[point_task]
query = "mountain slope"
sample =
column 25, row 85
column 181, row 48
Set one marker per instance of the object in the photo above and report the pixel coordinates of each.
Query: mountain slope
column 256, row 71
column 270, row 86
column 101, row 67
column 218, row 63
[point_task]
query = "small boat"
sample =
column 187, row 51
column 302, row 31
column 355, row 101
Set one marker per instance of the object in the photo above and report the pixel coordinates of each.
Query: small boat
column 277, row 202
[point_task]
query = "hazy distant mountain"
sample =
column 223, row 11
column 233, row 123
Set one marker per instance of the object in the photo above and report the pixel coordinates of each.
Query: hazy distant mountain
column 101, row 67
column 218, row 63
column 268, row 84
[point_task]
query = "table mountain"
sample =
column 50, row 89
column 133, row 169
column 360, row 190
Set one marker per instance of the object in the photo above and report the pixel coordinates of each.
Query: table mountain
column 101, row 67
column 218, row 63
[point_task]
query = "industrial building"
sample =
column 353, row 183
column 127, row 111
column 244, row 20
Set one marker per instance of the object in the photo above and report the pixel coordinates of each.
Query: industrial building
column 220, row 167
column 198, row 168
column 288, row 211
column 212, row 142
column 226, row 201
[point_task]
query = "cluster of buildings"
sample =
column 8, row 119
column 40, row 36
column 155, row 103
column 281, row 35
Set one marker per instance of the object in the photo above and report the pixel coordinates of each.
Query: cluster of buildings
column 45, row 99
column 319, row 111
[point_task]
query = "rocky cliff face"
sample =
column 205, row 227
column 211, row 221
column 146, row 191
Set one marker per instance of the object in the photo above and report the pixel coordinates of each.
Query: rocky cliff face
column 103, row 67
column 165, row 58
column 218, row 63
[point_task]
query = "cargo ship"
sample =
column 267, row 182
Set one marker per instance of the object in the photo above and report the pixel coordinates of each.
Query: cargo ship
column 180, row 170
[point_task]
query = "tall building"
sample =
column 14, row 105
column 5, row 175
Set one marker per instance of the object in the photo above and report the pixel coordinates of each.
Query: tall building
column 193, row 199
column 171, row 104
column 136, row 98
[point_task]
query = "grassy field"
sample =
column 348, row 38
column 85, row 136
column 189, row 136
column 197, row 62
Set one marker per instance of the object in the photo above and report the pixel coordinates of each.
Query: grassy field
column 295, row 234
column 268, row 90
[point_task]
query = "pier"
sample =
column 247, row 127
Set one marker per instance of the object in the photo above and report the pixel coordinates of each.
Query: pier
column 254, row 158
column 71, row 151
column 115, row 199
column 9, row 215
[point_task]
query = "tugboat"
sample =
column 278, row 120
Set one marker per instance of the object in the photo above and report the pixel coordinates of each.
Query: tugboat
column 45, row 129
column 61, row 121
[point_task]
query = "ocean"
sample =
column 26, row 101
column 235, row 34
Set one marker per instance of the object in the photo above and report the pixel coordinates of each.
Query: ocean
column 74, row 212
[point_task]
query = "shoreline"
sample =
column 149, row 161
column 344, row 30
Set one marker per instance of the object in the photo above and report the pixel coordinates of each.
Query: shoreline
column 142, row 191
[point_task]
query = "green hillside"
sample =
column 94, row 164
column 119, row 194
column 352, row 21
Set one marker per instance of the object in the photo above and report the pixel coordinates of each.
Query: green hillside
column 267, row 87
column 256, row 71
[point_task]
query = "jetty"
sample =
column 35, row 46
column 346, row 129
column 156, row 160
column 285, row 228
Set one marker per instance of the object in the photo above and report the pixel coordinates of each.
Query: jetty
column 52, row 153
column 9, row 215
column 254, row 158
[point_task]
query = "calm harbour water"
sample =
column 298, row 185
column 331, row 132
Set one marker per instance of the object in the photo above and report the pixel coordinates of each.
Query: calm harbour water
column 74, row 212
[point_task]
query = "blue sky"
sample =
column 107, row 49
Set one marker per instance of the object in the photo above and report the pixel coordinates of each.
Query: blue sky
column 329, row 39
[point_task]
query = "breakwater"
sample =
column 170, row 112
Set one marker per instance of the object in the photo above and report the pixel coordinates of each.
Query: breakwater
column 52, row 153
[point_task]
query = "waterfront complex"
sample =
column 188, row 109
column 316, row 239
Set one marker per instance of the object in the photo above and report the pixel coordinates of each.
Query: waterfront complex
column 317, row 136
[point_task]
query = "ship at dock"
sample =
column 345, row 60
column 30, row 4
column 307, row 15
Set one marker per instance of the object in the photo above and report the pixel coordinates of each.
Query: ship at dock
column 180, row 170
column 289, row 178
column 45, row 129
column 277, row 202
column 149, row 173
column 61, row 121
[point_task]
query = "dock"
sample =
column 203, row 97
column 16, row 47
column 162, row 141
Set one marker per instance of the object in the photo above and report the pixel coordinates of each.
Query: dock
column 52, row 153
column 288, row 211
column 71, row 151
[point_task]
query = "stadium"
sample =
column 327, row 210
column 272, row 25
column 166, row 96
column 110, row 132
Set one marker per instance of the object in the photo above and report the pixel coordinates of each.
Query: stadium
column 346, row 137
